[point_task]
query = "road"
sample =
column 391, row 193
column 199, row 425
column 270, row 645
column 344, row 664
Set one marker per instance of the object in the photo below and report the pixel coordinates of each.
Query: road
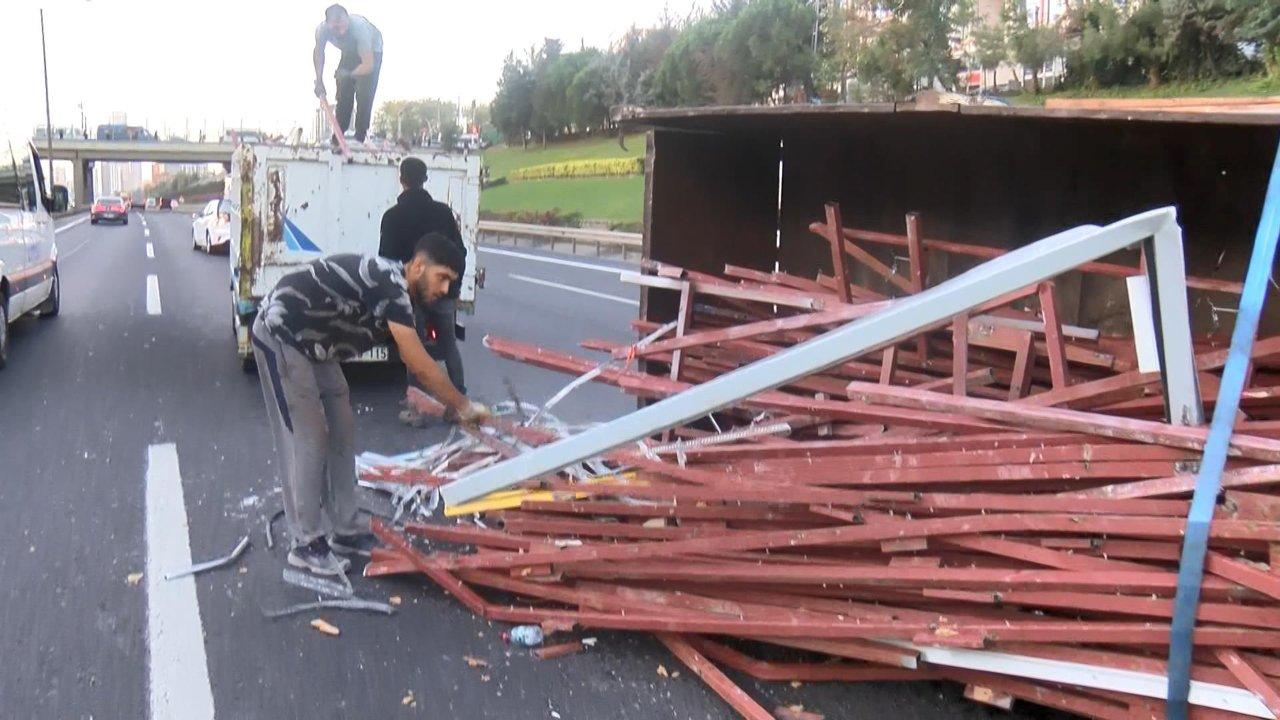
column 129, row 433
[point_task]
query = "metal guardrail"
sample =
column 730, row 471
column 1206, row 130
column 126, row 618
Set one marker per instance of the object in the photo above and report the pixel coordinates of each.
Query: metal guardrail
column 555, row 236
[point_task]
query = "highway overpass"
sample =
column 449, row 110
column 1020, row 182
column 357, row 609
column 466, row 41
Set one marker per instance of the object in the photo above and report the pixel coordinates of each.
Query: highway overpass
column 83, row 153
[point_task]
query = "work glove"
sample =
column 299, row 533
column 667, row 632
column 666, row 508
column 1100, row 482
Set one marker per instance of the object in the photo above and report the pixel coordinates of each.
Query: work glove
column 473, row 413
column 320, row 91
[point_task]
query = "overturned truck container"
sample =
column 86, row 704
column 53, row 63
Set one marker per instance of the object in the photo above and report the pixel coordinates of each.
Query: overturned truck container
column 742, row 185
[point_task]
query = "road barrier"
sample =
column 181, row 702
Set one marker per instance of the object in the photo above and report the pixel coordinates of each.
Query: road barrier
column 555, row 237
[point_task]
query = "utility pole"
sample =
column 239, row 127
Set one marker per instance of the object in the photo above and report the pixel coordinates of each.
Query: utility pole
column 48, row 115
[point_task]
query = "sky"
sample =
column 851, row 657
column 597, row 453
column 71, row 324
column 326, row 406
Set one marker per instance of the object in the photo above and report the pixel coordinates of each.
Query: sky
column 184, row 66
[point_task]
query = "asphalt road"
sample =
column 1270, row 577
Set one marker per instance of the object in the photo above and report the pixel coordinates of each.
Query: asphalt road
column 90, row 395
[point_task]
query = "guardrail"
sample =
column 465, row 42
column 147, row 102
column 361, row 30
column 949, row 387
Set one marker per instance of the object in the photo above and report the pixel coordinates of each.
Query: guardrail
column 555, row 236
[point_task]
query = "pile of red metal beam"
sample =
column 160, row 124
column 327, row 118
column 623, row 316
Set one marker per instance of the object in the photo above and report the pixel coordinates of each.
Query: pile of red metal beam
column 998, row 502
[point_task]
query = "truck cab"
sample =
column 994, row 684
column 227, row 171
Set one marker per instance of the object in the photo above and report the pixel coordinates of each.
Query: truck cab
column 292, row 205
column 28, row 253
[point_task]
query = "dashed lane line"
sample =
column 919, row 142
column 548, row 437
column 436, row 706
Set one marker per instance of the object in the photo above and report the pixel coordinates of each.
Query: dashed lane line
column 177, row 663
column 572, row 289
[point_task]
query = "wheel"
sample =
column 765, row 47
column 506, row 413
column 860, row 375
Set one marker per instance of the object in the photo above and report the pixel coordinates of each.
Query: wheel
column 125, row 221
column 248, row 365
column 53, row 304
column 208, row 245
column 4, row 331
column 195, row 242
column 93, row 221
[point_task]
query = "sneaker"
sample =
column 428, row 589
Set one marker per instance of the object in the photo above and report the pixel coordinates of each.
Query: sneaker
column 413, row 417
column 358, row 544
column 317, row 558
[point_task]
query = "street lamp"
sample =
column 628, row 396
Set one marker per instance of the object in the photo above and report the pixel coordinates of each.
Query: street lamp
column 48, row 117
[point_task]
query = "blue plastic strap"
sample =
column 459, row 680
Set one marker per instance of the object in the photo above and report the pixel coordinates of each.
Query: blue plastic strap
column 1209, row 480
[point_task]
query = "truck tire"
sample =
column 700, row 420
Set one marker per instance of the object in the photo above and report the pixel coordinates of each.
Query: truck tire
column 4, row 331
column 53, row 304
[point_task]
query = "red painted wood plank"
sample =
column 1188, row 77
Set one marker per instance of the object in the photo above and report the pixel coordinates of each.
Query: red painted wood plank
column 1061, row 419
column 1257, row 683
column 714, row 678
column 834, row 238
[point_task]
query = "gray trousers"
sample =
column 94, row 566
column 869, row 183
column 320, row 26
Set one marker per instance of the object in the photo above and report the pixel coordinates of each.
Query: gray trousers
column 442, row 314
column 309, row 410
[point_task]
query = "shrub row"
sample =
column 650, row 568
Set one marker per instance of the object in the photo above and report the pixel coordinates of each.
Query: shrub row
column 604, row 167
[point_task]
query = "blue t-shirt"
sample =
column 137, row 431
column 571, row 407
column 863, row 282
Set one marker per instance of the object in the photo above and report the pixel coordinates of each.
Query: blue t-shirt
column 361, row 37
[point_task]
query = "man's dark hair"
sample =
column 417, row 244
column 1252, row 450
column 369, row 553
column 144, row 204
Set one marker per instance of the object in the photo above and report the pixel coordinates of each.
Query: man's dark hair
column 440, row 250
column 413, row 172
column 334, row 12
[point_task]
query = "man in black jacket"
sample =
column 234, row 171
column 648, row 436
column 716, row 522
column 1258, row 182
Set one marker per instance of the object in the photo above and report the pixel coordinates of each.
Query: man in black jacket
column 414, row 215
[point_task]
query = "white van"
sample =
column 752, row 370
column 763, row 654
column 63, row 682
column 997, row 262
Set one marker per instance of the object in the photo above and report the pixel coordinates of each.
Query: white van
column 28, row 254
column 291, row 205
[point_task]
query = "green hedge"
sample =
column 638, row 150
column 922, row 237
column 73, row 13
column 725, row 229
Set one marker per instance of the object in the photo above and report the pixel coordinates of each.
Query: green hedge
column 604, row 167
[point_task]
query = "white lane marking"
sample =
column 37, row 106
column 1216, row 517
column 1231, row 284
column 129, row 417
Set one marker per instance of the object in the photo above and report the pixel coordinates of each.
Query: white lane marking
column 146, row 231
column 151, row 250
column 153, row 295
column 570, row 288
column 178, row 668
column 70, row 225
column 553, row 261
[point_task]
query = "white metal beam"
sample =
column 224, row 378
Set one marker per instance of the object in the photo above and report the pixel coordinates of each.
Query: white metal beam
column 1015, row 270
column 1133, row 682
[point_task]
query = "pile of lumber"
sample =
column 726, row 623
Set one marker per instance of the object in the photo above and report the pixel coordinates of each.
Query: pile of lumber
column 998, row 502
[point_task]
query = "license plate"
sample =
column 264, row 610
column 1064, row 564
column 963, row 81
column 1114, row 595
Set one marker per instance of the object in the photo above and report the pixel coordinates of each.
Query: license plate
column 377, row 354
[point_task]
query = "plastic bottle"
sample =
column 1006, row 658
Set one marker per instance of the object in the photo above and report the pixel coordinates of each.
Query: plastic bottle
column 526, row 635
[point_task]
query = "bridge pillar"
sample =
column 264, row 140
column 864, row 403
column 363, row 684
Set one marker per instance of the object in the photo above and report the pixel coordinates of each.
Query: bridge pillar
column 82, row 177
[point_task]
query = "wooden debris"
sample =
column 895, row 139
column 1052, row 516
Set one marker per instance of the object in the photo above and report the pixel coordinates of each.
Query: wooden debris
column 551, row 652
column 325, row 627
column 1003, row 487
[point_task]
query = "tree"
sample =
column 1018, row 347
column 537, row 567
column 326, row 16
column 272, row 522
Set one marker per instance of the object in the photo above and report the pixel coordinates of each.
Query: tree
column 1145, row 40
column 637, row 56
column 990, row 48
column 449, row 131
column 847, row 34
column 1258, row 21
column 513, row 105
column 886, row 66
column 767, row 46
column 913, row 46
column 1031, row 47
column 1035, row 48
column 552, row 112
column 1200, row 39
column 406, row 120
column 593, row 91
column 1096, row 57
column 688, row 74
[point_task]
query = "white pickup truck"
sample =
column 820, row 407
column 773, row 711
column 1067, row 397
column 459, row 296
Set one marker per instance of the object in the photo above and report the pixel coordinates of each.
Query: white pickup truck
column 292, row 205
column 28, row 253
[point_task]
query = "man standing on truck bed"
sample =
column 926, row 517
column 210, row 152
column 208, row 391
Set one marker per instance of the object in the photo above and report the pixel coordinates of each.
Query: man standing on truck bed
column 416, row 214
column 335, row 309
column 358, row 70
